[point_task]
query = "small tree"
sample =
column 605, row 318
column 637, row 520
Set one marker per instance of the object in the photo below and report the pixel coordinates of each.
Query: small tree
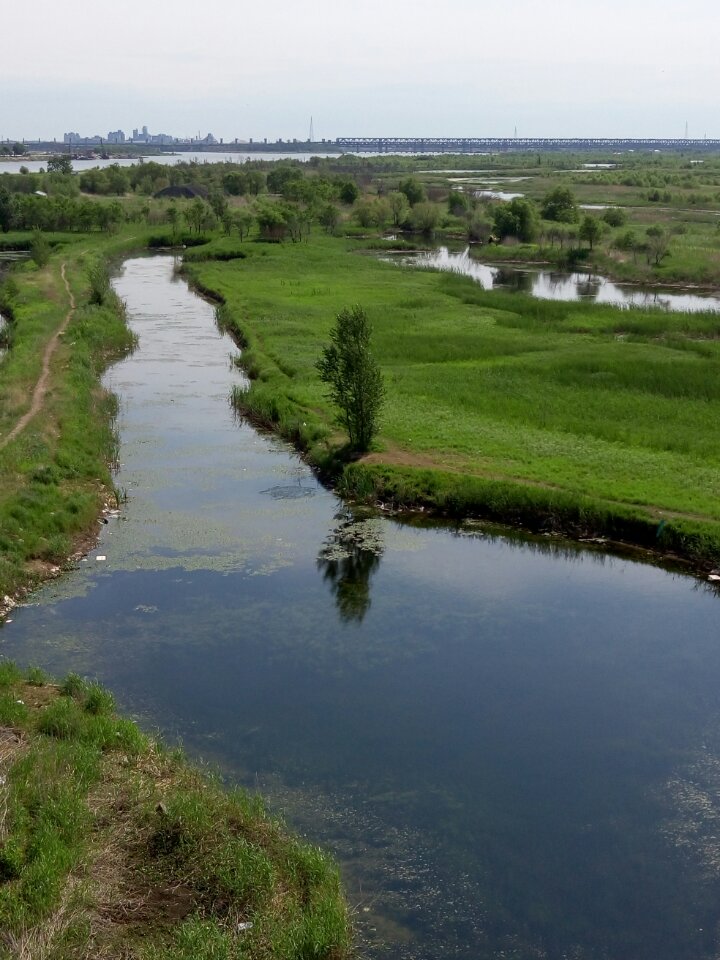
column 399, row 207
column 560, row 205
column 355, row 380
column 658, row 244
column 413, row 190
column 425, row 218
column 590, row 230
column 60, row 164
column 40, row 248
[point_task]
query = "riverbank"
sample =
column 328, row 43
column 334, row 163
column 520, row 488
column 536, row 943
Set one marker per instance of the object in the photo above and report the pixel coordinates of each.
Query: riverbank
column 114, row 846
column 56, row 471
column 575, row 419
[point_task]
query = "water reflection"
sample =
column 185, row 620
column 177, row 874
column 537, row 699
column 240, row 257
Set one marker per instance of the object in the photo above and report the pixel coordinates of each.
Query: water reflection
column 348, row 560
column 588, row 288
column 511, row 748
column 553, row 284
column 516, row 280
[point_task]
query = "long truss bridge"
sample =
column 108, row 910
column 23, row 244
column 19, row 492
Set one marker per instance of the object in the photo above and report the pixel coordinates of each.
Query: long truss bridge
column 490, row 144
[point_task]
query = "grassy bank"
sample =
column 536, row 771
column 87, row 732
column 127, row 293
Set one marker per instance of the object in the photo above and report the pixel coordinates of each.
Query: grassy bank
column 111, row 846
column 55, row 474
column 573, row 417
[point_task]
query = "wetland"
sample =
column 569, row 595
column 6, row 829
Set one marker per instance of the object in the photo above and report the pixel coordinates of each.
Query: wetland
column 511, row 743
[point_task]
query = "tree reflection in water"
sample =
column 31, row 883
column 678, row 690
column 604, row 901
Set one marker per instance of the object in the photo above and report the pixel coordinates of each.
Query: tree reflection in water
column 348, row 559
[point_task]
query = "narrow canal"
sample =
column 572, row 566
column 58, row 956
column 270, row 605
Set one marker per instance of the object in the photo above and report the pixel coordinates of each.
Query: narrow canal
column 511, row 744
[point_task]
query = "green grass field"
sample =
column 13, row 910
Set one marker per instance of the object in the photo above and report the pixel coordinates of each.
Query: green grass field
column 614, row 410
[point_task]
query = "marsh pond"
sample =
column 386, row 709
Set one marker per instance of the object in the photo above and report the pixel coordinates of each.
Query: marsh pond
column 512, row 745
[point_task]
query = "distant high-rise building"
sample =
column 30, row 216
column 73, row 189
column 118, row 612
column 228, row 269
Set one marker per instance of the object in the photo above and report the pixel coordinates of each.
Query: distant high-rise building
column 116, row 136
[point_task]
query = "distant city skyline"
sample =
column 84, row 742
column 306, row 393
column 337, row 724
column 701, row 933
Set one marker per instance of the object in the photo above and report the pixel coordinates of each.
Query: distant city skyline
column 405, row 67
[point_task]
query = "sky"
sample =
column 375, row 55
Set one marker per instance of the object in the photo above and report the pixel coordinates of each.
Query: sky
column 360, row 68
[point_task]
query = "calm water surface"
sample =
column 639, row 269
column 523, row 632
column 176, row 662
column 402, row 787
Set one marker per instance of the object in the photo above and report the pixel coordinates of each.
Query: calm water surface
column 555, row 284
column 167, row 159
column 512, row 745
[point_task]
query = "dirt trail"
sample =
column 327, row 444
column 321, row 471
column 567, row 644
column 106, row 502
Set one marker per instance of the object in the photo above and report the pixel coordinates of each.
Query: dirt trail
column 395, row 456
column 41, row 387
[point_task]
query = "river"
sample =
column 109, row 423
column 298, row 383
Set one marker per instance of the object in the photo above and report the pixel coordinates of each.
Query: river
column 511, row 744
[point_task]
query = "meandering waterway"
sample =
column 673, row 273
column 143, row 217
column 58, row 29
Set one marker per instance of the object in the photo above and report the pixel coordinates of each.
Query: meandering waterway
column 512, row 744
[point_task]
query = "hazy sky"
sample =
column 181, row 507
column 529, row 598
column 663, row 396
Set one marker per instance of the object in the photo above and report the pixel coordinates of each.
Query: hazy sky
column 360, row 67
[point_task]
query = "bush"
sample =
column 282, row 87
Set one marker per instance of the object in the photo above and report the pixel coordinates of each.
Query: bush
column 615, row 217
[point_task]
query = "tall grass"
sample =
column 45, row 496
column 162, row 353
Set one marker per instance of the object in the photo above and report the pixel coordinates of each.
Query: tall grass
column 612, row 408
column 111, row 845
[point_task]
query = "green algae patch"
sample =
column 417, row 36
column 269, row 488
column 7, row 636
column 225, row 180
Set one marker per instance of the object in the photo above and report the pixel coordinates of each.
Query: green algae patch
column 112, row 846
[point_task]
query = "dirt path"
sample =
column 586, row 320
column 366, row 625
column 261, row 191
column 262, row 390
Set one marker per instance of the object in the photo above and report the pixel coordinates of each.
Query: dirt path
column 41, row 387
column 395, row 456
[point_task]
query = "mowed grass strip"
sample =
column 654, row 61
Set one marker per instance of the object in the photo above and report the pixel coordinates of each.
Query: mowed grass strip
column 111, row 846
column 609, row 405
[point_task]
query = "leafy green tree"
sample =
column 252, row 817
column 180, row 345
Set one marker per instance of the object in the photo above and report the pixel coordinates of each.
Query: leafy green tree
column 6, row 209
column 458, row 203
column 413, row 190
column 117, row 180
column 272, row 220
column 590, row 230
column 329, row 217
column 172, row 218
column 354, row 377
column 235, row 183
column 218, row 203
column 399, row 207
column 60, row 163
column 657, row 244
column 40, row 248
column 363, row 212
column 243, row 221
column 425, row 218
column 196, row 215
column 280, row 178
column 560, row 204
column 348, row 191
column 615, row 217
column 479, row 228
column 381, row 212
column 518, row 218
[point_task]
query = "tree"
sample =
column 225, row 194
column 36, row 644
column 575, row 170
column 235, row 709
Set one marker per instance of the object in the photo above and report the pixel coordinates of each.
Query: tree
column 518, row 218
column 399, row 207
column 425, row 218
column 413, row 190
column 329, row 217
column 272, row 220
column 590, row 230
column 559, row 204
column 60, row 164
column 355, row 380
column 658, row 244
column 243, row 221
column 363, row 212
column 196, row 215
column 615, row 217
column 348, row 191
column 40, row 248
column 6, row 209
